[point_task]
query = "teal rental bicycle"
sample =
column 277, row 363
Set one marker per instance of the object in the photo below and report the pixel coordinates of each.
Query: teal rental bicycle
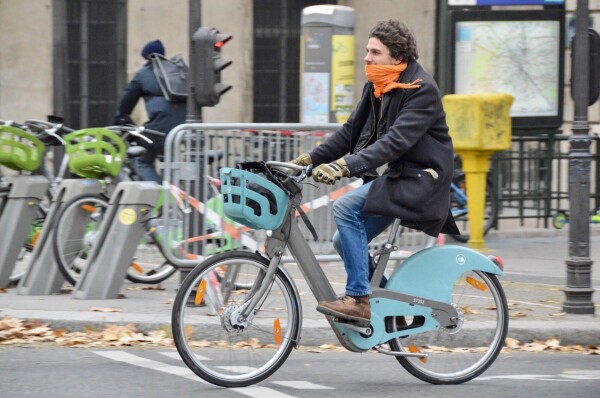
column 441, row 313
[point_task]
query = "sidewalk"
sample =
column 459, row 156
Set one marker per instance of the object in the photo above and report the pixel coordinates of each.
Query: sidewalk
column 535, row 268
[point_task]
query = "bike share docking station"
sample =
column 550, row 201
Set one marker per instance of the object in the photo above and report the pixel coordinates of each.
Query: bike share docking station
column 480, row 125
column 118, row 237
column 43, row 276
column 17, row 213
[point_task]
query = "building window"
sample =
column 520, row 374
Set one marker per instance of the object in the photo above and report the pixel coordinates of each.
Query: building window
column 95, row 73
column 277, row 32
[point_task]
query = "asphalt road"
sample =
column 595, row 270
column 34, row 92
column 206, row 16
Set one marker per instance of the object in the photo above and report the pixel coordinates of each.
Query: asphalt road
column 61, row 371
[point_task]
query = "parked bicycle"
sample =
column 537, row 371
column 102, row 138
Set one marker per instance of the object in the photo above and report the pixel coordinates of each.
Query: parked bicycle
column 45, row 135
column 460, row 207
column 442, row 313
column 149, row 264
column 105, row 154
column 561, row 218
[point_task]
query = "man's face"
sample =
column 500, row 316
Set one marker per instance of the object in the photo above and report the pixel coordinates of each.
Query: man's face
column 379, row 54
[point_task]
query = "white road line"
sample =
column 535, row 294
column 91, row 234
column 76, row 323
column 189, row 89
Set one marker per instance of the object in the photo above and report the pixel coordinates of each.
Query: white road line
column 120, row 356
column 261, row 392
column 238, row 369
column 131, row 359
column 171, row 354
column 175, row 355
column 526, row 377
column 579, row 374
column 303, row 385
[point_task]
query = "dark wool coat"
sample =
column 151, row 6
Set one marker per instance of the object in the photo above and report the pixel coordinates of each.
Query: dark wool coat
column 411, row 135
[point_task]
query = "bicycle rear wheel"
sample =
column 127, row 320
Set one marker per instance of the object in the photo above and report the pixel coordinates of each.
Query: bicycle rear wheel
column 463, row 353
column 224, row 349
column 77, row 231
column 148, row 265
column 460, row 209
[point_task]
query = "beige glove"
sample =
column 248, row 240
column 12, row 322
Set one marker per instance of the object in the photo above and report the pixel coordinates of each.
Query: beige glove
column 329, row 172
column 302, row 160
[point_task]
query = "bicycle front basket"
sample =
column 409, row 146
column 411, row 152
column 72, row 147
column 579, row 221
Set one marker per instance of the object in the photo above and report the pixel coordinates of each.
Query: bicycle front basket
column 95, row 152
column 20, row 150
column 252, row 200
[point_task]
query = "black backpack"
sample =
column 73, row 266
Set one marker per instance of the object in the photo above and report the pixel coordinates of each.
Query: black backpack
column 171, row 75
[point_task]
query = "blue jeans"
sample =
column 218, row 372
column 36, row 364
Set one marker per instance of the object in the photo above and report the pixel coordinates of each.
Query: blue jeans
column 354, row 232
column 144, row 167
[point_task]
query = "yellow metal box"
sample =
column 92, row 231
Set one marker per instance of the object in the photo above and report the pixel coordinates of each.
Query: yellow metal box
column 479, row 121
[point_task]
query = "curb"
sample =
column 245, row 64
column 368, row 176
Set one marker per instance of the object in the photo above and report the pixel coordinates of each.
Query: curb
column 316, row 332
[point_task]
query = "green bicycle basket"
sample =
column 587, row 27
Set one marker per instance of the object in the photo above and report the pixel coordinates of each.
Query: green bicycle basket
column 20, row 150
column 252, row 200
column 95, row 152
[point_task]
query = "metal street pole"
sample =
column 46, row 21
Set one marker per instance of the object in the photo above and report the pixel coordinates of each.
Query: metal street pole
column 579, row 290
column 194, row 115
column 194, row 112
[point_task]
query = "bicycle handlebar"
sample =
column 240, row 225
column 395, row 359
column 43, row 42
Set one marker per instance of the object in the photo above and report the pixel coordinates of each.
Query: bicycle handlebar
column 50, row 129
column 136, row 131
column 13, row 124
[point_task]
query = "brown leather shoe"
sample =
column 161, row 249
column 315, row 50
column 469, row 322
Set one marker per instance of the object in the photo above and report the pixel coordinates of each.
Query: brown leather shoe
column 357, row 309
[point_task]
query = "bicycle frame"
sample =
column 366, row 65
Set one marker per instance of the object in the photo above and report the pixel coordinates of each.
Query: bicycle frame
column 419, row 286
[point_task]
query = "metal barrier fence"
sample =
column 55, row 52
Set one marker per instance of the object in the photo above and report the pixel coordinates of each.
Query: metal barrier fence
column 532, row 179
column 196, row 152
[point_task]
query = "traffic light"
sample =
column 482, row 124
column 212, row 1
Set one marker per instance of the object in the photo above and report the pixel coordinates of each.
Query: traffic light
column 208, row 64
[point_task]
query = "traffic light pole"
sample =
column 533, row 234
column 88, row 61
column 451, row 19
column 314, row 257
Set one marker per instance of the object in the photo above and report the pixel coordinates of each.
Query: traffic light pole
column 579, row 289
column 194, row 111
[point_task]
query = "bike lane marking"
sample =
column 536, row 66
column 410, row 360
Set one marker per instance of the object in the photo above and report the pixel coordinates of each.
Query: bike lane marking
column 533, row 377
column 252, row 391
column 303, row 385
column 580, row 374
column 175, row 355
column 260, row 392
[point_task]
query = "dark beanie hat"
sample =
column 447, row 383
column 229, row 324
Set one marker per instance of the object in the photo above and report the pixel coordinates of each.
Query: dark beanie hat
column 152, row 47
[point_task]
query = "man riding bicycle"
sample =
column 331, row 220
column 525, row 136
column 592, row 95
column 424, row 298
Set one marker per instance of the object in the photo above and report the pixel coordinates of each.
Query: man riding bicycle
column 163, row 114
column 400, row 122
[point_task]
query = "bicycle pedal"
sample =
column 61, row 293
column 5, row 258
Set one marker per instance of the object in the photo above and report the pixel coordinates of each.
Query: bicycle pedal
column 352, row 322
column 357, row 326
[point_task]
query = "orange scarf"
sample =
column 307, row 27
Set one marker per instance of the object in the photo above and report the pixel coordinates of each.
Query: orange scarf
column 385, row 78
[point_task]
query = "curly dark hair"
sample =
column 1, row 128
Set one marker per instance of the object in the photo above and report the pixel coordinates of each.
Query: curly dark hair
column 398, row 38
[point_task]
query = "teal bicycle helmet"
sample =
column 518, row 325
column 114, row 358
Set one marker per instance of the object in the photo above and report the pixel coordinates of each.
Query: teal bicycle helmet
column 252, row 200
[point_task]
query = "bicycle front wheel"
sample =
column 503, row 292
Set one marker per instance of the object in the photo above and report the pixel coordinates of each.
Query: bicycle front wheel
column 76, row 231
column 463, row 353
column 214, row 341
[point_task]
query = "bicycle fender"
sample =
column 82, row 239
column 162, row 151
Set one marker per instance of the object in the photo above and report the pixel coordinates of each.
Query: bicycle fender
column 431, row 272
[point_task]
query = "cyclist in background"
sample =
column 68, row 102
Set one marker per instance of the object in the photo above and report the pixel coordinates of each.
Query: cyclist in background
column 162, row 114
column 400, row 122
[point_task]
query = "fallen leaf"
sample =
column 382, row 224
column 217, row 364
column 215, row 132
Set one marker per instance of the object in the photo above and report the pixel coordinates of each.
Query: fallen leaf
column 157, row 287
column 22, row 332
column 512, row 343
column 517, row 314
